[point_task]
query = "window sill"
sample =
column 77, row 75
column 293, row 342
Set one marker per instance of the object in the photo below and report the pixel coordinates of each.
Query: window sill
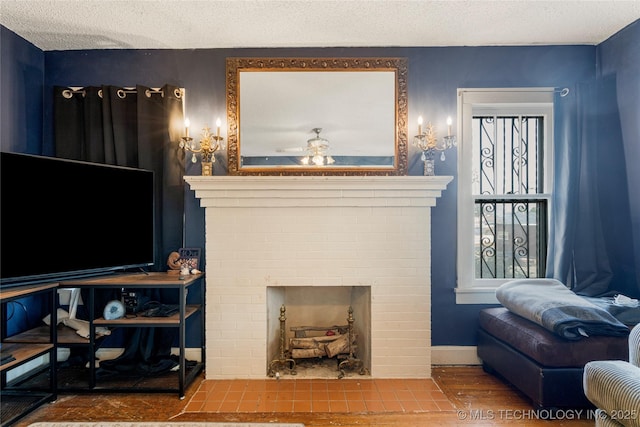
column 476, row 295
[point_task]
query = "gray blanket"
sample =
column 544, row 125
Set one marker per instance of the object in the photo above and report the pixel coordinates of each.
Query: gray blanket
column 552, row 305
column 630, row 316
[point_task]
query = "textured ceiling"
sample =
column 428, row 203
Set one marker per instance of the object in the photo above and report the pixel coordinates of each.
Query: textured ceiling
column 187, row 24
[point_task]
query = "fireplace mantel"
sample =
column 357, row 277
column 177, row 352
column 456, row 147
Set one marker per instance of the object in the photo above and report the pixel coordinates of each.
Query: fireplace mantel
column 246, row 191
column 295, row 231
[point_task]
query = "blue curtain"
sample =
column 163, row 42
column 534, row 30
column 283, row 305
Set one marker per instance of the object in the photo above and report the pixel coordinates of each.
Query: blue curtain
column 590, row 248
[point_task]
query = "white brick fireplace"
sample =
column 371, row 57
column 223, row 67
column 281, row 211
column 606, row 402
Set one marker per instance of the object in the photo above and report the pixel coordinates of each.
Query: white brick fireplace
column 330, row 231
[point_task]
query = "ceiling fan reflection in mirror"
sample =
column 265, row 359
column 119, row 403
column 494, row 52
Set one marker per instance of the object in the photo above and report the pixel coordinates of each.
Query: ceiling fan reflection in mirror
column 317, row 151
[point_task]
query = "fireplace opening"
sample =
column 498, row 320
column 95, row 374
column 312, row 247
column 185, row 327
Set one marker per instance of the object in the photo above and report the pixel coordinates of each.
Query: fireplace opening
column 318, row 331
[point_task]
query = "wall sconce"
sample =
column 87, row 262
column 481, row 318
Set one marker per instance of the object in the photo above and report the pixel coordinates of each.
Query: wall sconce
column 428, row 143
column 209, row 144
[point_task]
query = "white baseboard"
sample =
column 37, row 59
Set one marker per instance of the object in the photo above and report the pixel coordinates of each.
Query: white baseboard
column 13, row 373
column 193, row 354
column 454, row 355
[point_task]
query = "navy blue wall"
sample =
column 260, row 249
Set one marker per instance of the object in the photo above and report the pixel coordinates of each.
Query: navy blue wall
column 434, row 76
column 21, row 82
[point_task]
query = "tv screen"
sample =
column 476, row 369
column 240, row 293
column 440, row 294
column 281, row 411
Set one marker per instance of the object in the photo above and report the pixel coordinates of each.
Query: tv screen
column 63, row 218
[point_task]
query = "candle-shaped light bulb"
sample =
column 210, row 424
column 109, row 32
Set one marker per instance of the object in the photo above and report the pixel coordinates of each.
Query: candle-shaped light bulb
column 218, row 124
column 420, row 125
column 187, row 123
column 449, row 122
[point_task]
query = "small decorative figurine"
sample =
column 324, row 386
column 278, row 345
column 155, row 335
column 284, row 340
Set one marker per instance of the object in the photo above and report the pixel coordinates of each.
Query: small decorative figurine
column 174, row 264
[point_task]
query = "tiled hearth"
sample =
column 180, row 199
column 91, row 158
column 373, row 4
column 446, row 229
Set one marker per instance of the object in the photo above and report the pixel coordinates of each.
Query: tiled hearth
column 319, row 396
column 297, row 231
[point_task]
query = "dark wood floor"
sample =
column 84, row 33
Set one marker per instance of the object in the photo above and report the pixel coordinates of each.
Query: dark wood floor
column 478, row 399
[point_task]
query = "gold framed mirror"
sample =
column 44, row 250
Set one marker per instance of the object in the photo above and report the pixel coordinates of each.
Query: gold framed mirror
column 317, row 116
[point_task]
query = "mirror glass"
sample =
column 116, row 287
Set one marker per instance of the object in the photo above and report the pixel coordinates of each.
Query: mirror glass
column 317, row 116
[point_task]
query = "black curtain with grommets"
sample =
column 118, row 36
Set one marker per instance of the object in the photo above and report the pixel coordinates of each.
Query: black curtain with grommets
column 129, row 127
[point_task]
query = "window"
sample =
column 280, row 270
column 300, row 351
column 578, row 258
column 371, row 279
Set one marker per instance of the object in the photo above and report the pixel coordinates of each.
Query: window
column 504, row 188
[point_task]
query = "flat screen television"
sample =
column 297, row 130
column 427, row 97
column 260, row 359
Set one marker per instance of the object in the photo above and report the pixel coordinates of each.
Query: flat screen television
column 67, row 219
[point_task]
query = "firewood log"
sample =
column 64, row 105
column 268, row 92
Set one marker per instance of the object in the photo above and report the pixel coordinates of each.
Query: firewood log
column 301, row 331
column 305, row 353
column 311, row 342
column 303, row 343
column 340, row 345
